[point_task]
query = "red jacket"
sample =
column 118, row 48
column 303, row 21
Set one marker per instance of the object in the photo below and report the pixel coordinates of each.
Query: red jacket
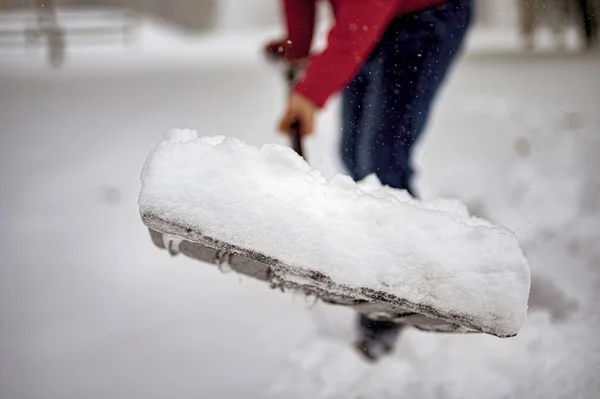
column 359, row 25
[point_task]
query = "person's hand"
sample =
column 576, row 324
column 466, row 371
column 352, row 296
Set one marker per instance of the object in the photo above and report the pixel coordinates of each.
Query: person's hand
column 281, row 51
column 277, row 50
column 301, row 110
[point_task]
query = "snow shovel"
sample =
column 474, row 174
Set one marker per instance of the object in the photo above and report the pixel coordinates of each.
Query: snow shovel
column 443, row 271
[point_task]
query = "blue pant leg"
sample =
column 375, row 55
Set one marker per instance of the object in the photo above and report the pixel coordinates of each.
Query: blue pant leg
column 411, row 48
column 353, row 119
column 418, row 50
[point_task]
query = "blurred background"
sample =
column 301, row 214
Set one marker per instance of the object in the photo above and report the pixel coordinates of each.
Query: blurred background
column 89, row 308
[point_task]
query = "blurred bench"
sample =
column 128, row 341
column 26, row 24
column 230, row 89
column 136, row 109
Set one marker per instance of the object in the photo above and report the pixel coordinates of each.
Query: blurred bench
column 51, row 22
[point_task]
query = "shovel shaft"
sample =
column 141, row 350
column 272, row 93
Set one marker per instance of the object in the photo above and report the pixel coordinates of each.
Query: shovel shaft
column 296, row 136
column 295, row 128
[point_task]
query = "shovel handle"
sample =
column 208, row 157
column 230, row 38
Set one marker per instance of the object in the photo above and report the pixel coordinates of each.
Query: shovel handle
column 295, row 128
column 296, row 136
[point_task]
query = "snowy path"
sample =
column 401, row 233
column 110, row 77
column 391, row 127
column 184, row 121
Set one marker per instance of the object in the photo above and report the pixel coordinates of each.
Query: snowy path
column 90, row 309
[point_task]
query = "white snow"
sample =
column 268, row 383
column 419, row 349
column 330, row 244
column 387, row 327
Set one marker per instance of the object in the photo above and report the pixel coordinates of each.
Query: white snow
column 270, row 201
column 89, row 308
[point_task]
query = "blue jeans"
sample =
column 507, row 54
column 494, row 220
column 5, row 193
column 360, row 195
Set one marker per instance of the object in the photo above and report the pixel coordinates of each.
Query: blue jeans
column 385, row 107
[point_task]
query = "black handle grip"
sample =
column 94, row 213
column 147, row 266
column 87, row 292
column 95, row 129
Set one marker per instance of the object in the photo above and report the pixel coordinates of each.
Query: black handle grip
column 295, row 128
column 296, row 136
column 290, row 76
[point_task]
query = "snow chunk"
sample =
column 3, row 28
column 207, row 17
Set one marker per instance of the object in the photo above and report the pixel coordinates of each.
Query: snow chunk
column 181, row 136
column 269, row 200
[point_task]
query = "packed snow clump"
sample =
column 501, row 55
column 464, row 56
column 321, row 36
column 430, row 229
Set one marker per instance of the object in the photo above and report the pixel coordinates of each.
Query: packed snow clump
column 270, row 201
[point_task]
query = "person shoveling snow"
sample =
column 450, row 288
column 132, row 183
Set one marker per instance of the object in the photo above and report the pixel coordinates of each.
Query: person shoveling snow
column 369, row 245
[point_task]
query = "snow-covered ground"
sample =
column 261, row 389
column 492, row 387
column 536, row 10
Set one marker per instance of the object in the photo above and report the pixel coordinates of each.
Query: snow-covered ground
column 90, row 309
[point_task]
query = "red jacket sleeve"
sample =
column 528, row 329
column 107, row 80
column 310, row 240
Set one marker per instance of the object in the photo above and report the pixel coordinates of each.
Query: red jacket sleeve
column 358, row 28
column 300, row 20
